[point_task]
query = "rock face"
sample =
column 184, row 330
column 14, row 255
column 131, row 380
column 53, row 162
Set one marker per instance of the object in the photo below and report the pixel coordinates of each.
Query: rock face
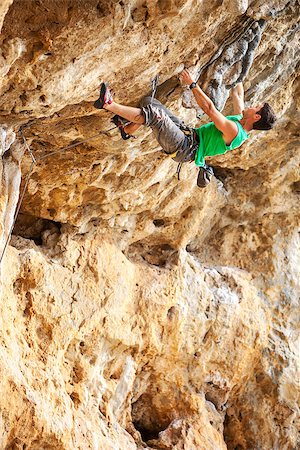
column 10, row 172
column 137, row 311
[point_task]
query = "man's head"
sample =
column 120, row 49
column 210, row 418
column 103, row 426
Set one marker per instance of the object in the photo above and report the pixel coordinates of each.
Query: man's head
column 267, row 118
column 261, row 117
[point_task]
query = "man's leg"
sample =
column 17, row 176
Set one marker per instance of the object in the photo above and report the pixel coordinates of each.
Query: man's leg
column 154, row 102
column 166, row 131
column 130, row 113
column 165, row 126
column 132, row 127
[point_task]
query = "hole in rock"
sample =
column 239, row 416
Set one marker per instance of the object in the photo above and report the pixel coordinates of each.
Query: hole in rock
column 157, row 255
column 34, row 228
column 23, row 98
column 171, row 312
column 75, row 399
column 296, row 187
column 51, row 211
column 158, row 222
column 146, row 435
column 155, row 410
column 96, row 166
column 233, row 433
column 147, row 421
column 103, row 9
column 140, row 14
column 78, row 373
column 216, row 395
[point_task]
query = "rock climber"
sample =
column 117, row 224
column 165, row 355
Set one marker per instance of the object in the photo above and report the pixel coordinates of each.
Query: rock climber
column 187, row 144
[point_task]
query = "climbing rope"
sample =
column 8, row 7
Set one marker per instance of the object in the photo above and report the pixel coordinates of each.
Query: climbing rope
column 75, row 144
column 34, row 162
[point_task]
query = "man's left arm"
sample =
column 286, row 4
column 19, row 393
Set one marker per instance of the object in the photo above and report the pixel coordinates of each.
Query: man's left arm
column 237, row 95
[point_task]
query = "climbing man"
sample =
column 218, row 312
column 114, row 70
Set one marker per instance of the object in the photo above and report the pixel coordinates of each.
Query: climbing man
column 187, row 144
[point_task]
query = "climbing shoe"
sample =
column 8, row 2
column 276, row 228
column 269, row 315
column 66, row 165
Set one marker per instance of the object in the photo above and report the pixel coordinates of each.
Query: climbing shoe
column 105, row 97
column 204, row 176
column 121, row 123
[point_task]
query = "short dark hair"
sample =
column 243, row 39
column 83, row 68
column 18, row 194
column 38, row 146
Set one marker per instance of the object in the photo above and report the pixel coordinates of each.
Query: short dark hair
column 267, row 119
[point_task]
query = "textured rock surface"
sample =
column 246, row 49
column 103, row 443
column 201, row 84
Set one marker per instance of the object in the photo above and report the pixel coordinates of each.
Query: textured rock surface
column 10, row 173
column 137, row 311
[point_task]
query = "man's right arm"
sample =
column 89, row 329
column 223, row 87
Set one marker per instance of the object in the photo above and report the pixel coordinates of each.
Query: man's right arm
column 237, row 94
column 227, row 127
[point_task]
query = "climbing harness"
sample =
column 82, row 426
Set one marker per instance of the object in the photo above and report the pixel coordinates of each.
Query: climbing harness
column 188, row 131
column 189, row 153
column 35, row 161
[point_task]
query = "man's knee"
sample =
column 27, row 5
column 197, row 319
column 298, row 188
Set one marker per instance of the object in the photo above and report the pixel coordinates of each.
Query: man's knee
column 145, row 101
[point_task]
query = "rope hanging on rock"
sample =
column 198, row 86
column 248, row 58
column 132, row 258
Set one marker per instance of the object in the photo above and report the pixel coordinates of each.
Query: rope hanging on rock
column 33, row 163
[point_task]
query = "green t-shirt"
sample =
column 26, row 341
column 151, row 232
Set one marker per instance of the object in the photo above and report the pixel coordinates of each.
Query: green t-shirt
column 212, row 142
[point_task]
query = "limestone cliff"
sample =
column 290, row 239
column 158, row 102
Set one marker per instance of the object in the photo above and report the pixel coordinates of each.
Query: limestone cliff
column 138, row 311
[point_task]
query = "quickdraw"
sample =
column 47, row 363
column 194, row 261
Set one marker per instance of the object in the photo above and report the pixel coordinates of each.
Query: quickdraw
column 154, row 84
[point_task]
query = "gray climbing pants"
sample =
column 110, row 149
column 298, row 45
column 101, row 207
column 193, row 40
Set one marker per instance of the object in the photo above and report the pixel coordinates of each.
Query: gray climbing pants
column 167, row 130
